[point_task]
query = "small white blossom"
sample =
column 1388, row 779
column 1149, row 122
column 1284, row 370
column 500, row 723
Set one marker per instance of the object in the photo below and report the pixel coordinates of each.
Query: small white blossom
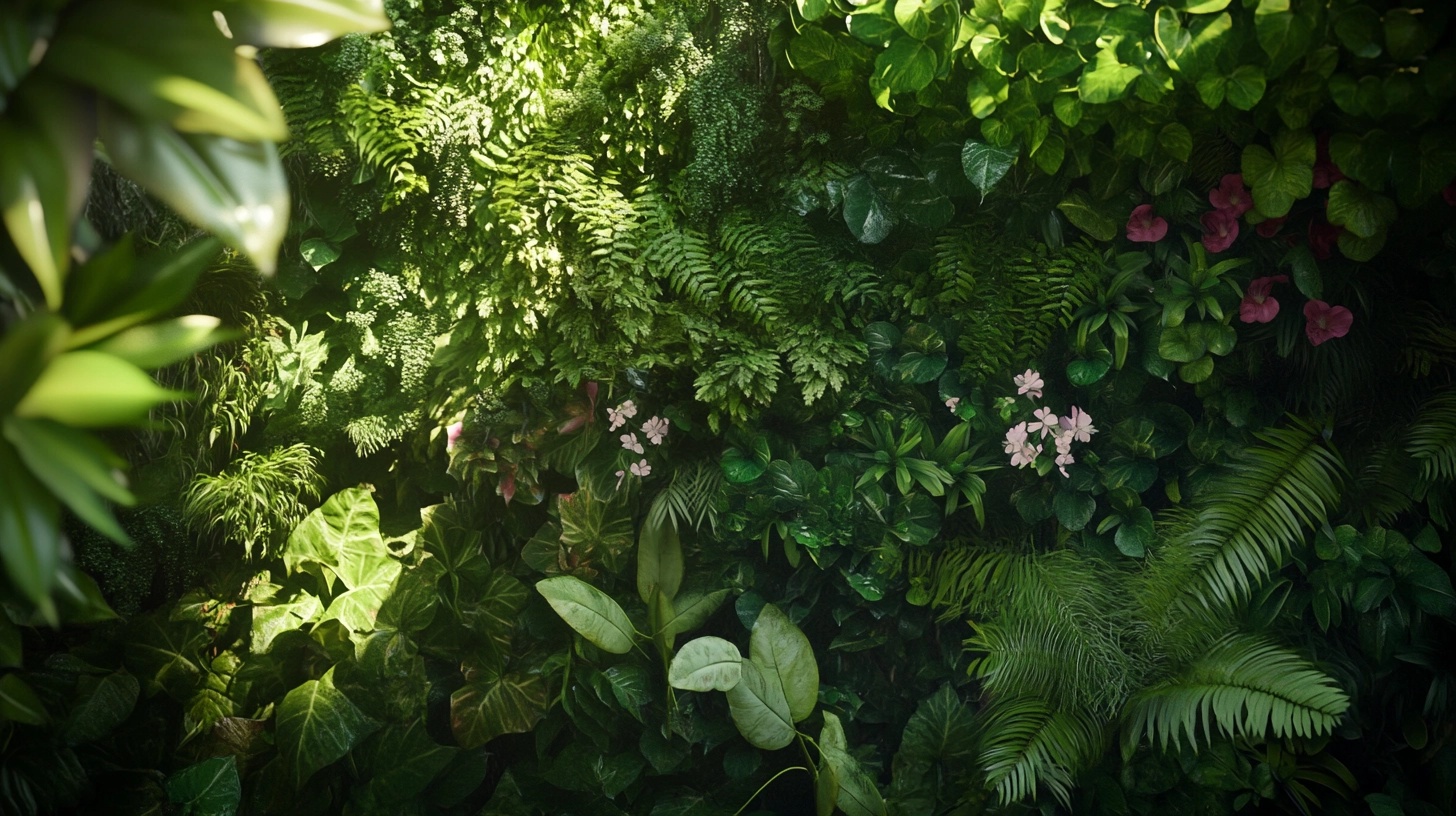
column 641, row 468
column 621, row 414
column 1029, row 383
column 631, row 443
column 656, row 429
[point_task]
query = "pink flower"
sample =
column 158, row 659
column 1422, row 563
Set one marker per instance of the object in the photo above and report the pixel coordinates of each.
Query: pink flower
column 1063, row 460
column 1220, row 228
column 1448, row 193
column 1144, row 226
column 1045, row 422
column 1322, row 238
column 1326, row 173
column 452, row 434
column 656, row 430
column 642, row 469
column 631, row 443
column 1270, row 227
column 952, row 403
column 1325, row 322
column 1078, row 425
column 1230, row 196
column 1016, row 438
column 1258, row 306
column 1026, row 455
column 621, row 414
column 1029, row 383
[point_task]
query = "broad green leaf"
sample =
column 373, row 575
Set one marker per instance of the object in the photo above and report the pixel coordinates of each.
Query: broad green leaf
column 1196, row 371
column 89, row 389
column 631, row 688
column 826, row 788
column 1135, row 536
column 18, row 702
column 482, row 710
column 692, row 610
column 865, row 213
column 1305, row 271
column 872, row 24
column 155, row 345
column 1107, row 80
column 1279, row 178
column 342, row 535
column 760, row 710
column 1360, row 249
column 858, row 795
column 1083, row 373
column 30, row 533
column 706, row 664
column 26, row 349
column 102, row 703
column 76, row 467
column 1202, row 6
column 1408, row 34
column 1286, row 30
column 1087, row 218
column 659, row 561
column 411, row 602
column 302, row 23
column 738, row 468
column 166, row 655
column 359, row 606
column 317, row 725
column 1074, row 509
column 916, row 368
column 270, row 621
column 133, row 290
column 211, row 704
column 913, row 16
column 591, row 612
column 941, row 729
column 812, row 9
column 1361, row 211
column 235, row 190
column 985, row 165
column 816, row 53
column 1245, row 87
column 907, row 66
column 496, row 614
column 1358, row 29
column 209, row 788
column 1176, row 140
column 782, row 651
column 1025, row 13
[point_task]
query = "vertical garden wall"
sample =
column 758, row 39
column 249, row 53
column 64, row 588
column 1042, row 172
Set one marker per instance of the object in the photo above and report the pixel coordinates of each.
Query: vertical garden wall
column 910, row 407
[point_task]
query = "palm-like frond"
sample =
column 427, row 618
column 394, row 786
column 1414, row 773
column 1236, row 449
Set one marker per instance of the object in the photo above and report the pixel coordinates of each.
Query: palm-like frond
column 1244, row 686
column 1431, row 439
column 1029, row 744
column 1248, row 520
column 690, row 500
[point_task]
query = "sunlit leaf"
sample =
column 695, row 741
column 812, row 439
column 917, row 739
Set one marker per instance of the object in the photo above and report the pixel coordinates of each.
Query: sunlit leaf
column 318, row 725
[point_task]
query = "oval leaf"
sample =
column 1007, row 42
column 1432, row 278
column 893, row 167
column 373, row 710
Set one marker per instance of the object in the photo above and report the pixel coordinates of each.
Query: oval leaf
column 706, row 664
column 591, row 612
column 782, row 651
column 317, row 725
column 759, row 709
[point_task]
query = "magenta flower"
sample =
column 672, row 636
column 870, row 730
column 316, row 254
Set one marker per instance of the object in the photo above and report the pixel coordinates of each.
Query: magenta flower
column 1029, row 383
column 1325, row 322
column 1231, row 196
column 1220, row 228
column 656, row 430
column 1144, row 226
column 1258, row 306
column 452, row 434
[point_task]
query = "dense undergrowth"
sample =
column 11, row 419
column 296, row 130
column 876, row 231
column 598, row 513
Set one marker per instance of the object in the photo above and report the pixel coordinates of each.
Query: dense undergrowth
column 904, row 407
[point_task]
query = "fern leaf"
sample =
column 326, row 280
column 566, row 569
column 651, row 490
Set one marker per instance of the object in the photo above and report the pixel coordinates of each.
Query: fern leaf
column 1244, row 686
column 1431, row 439
column 1028, row 744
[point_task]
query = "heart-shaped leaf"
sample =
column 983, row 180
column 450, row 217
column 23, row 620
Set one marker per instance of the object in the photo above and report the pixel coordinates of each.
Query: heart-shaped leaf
column 318, row 725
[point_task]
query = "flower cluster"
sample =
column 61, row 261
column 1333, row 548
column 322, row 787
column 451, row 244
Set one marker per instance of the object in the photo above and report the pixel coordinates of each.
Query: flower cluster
column 655, row 429
column 1230, row 200
column 1321, row 320
column 1024, row 441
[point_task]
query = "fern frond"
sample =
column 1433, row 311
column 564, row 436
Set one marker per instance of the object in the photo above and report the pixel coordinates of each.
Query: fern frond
column 1248, row 520
column 1029, row 744
column 1244, row 686
column 690, row 500
column 1431, row 439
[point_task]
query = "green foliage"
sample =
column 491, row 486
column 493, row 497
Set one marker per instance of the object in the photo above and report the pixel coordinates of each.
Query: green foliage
column 257, row 499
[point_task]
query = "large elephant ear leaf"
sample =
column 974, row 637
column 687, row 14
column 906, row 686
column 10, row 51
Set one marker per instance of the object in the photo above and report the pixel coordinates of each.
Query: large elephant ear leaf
column 857, row 794
column 591, row 612
column 235, row 190
column 317, row 725
column 782, row 651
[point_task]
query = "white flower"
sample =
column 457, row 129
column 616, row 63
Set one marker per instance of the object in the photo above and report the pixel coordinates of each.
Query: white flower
column 641, row 468
column 631, row 443
column 621, row 414
column 621, row 474
column 1046, row 421
column 1016, row 438
column 1026, row 455
column 952, row 403
column 1029, row 383
column 656, row 430
column 1063, row 460
column 1078, row 425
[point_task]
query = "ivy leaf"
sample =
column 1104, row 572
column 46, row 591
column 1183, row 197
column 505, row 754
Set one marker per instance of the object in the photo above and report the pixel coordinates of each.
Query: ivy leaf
column 482, row 710
column 706, row 664
column 907, row 66
column 210, row 788
column 1108, row 80
column 318, row 725
column 592, row 613
column 1279, row 178
column 1245, row 87
column 913, row 17
column 1285, row 29
column 1363, row 212
column 985, row 165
